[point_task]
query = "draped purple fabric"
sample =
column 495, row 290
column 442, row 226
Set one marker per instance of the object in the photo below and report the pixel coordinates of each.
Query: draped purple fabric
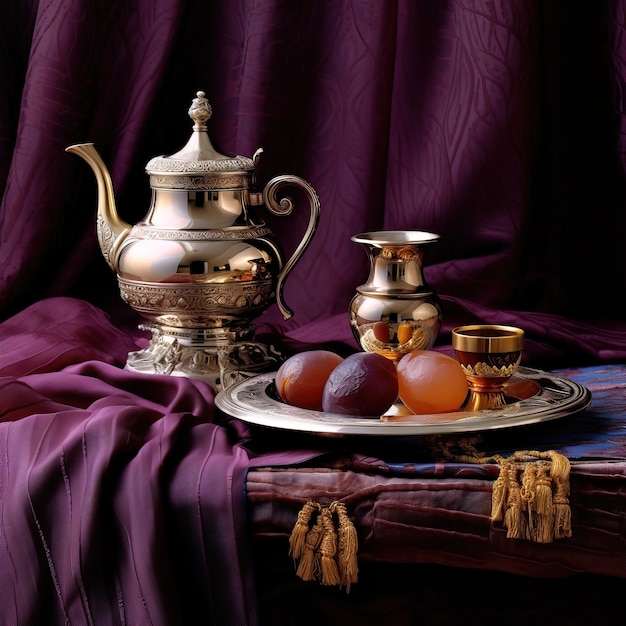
column 498, row 125
column 121, row 495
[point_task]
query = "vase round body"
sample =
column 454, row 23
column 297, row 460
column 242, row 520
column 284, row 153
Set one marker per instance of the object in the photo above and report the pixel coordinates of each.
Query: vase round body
column 202, row 264
column 395, row 311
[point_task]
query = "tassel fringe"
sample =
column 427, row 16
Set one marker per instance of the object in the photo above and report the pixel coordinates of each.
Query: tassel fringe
column 325, row 541
column 537, row 501
column 530, row 496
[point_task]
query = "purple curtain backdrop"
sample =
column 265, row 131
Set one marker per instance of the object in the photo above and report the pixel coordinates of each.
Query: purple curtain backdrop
column 498, row 124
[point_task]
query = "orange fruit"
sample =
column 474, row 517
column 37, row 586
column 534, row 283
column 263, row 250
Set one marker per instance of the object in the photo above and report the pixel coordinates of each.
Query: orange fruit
column 431, row 382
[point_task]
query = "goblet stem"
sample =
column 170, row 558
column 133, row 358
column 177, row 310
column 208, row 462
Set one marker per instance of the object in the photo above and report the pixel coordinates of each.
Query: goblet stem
column 485, row 392
column 478, row 400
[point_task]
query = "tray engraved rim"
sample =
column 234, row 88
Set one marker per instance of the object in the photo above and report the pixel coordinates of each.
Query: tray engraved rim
column 538, row 396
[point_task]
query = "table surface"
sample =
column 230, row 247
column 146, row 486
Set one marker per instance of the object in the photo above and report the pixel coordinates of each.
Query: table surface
column 409, row 507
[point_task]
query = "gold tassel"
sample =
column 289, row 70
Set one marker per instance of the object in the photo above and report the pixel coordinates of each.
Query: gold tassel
column 543, row 491
column 327, row 550
column 513, row 513
column 562, row 518
column 529, row 484
column 562, row 511
column 308, row 568
column 347, row 549
column 300, row 529
column 527, row 495
column 544, row 506
column 499, row 493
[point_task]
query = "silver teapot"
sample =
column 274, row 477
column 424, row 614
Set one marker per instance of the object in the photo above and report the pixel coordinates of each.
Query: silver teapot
column 201, row 265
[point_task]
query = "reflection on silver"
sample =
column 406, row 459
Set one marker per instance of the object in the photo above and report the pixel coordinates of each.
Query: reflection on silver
column 395, row 311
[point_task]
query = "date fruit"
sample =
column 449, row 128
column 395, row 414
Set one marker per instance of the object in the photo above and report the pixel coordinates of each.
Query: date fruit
column 301, row 378
column 363, row 384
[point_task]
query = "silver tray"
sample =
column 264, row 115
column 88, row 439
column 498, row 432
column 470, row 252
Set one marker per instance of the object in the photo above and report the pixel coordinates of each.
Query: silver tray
column 535, row 396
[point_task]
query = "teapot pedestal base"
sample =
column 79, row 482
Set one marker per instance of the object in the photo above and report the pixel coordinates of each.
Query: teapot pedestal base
column 196, row 354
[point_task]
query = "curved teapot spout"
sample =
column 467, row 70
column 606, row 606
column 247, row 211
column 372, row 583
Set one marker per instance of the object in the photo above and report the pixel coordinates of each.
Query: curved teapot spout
column 110, row 228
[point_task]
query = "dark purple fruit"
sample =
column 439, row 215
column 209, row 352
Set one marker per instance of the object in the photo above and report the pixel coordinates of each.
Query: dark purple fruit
column 363, row 384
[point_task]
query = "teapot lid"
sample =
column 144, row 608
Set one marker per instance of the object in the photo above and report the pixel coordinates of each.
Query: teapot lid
column 198, row 165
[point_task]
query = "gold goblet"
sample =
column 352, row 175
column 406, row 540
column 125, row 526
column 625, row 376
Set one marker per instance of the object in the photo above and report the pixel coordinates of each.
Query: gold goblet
column 489, row 355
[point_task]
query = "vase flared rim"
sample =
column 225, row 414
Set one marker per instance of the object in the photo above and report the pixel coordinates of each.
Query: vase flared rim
column 395, row 237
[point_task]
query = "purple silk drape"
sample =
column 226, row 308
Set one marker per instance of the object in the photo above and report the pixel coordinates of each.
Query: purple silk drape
column 122, row 496
column 498, row 124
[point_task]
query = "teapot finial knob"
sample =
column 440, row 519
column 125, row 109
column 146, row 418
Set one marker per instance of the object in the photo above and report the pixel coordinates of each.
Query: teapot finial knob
column 200, row 111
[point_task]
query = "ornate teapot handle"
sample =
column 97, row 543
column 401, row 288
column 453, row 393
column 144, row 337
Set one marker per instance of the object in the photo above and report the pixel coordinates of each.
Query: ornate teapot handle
column 284, row 206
